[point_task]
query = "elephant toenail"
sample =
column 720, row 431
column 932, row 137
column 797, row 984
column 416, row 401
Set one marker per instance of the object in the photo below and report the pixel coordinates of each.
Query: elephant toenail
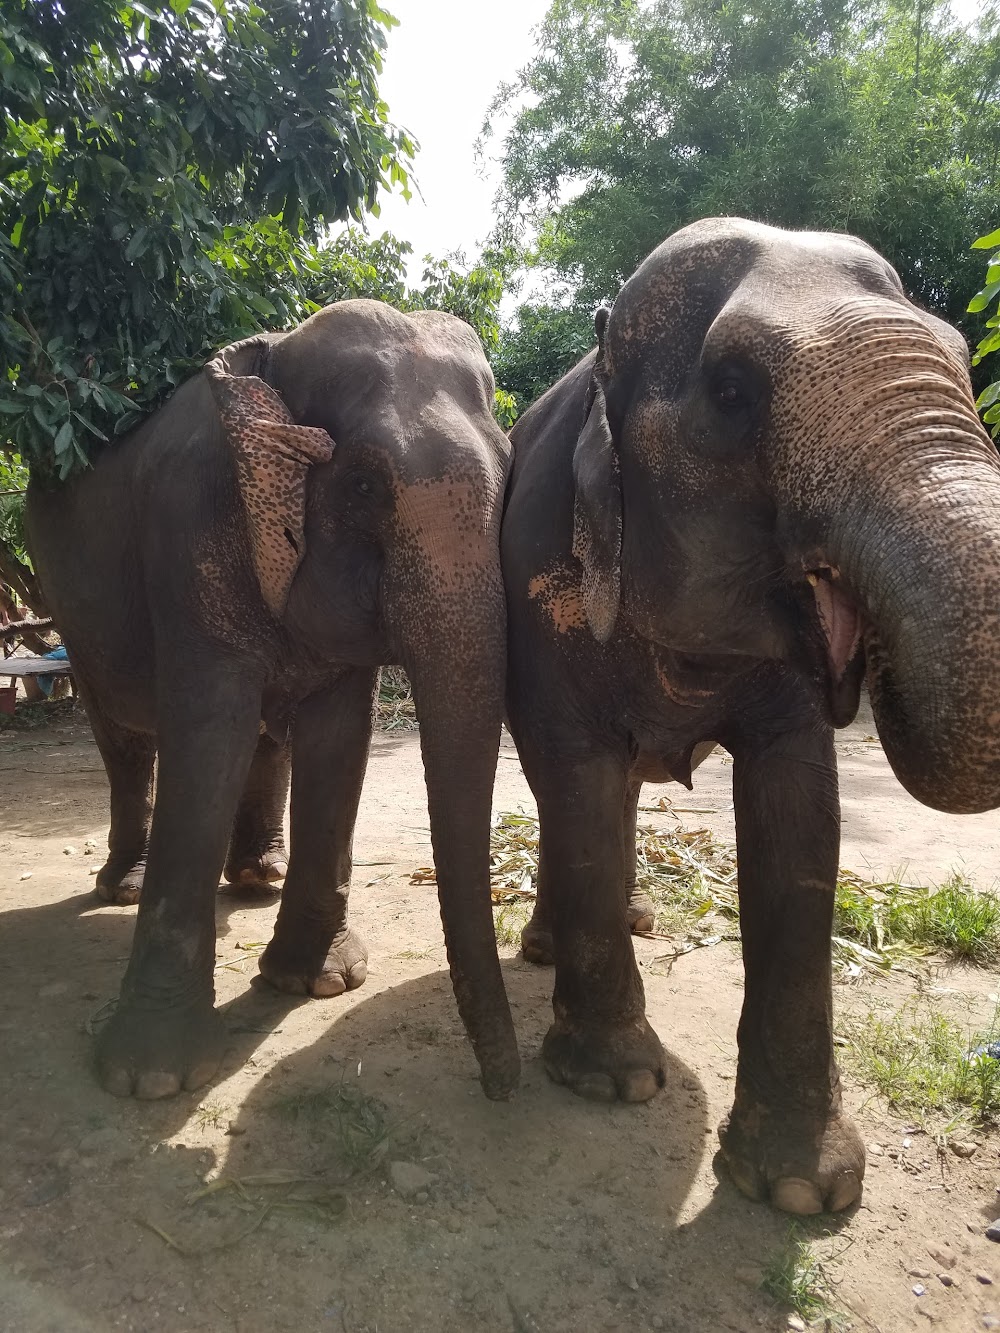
column 328, row 985
column 846, row 1190
column 596, row 1088
column 793, row 1195
column 117, row 1081
column 151, row 1087
column 640, row 1085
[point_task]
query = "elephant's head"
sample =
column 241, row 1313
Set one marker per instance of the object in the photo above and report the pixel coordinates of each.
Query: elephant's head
column 782, row 458
column 372, row 473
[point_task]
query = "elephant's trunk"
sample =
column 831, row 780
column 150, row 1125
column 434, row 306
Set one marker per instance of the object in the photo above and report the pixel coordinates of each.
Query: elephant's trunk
column 901, row 507
column 445, row 599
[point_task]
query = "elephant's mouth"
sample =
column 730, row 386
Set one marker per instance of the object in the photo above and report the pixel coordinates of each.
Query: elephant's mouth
column 842, row 625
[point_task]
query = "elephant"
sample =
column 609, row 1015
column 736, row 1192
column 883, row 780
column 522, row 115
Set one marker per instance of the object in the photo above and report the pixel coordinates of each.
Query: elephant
column 256, row 859
column 766, row 486
column 312, row 505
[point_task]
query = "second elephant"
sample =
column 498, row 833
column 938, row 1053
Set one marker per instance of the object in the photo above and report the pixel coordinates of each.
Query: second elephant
column 313, row 505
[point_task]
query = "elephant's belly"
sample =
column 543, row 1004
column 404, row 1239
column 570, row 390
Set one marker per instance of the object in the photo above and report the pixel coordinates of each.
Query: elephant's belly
column 663, row 766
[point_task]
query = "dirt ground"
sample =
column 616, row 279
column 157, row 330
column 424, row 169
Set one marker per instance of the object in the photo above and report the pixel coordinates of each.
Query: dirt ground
column 544, row 1214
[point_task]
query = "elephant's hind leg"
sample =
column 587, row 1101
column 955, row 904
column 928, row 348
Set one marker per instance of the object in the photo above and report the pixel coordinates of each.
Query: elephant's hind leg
column 165, row 1034
column 640, row 912
column 314, row 951
column 257, row 857
column 128, row 758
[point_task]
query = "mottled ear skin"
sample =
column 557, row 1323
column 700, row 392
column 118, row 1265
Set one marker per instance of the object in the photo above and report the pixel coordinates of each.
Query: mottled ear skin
column 597, row 509
column 273, row 457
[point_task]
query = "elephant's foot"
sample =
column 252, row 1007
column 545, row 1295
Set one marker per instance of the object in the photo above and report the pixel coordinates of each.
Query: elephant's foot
column 606, row 1064
column 536, row 941
column 120, row 882
column 641, row 913
column 800, row 1162
column 256, row 873
column 291, row 964
column 536, row 937
column 150, row 1053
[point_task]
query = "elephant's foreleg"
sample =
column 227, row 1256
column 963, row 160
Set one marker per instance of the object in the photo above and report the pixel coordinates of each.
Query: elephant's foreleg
column 536, row 937
column 600, row 1044
column 314, row 951
column 257, row 856
column 787, row 1138
column 165, row 1034
column 128, row 758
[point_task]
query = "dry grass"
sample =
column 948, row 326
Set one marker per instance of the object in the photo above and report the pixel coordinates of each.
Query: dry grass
column 691, row 877
column 394, row 708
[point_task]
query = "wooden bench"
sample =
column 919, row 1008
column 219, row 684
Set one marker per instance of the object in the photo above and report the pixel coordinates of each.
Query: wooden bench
column 15, row 667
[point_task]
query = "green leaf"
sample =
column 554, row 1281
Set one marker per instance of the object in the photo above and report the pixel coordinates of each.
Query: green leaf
column 64, row 438
column 983, row 298
column 987, row 242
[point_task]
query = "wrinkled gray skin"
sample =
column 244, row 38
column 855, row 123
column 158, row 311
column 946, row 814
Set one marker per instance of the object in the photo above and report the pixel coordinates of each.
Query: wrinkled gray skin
column 160, row 568
column 768, row 483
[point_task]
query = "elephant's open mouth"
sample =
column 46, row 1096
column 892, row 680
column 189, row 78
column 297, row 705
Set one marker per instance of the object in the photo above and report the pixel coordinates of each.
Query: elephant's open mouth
column 842, row 624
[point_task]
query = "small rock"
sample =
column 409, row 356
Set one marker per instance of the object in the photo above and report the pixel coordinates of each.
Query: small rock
column 90, row 844
column 919, row 1272
column 985, row 1279
column 421, row 1196
column 139, row 1293
column 408, row 1179
column 993, row 1230
column 454, row 1225
column 875, row 1149
column 234, row 1130
column 88, row 851
column 946, row 1280
column 94, row 870
column 963, row 1147
column 628, row 1279
column 69, row 851
column 940, row 1254
column 656, row 1322
column 918, row 1288
column 991, row 1321
column 26, row 874
column 795, row 1322
column 907, row 1143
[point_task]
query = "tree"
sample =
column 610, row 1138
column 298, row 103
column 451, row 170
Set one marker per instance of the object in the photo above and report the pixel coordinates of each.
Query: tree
column 538, row 346
column 988, row 401
column 165, row 169
column 635, row 117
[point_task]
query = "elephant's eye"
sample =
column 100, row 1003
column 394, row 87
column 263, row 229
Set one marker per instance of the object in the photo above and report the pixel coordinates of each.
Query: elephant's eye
column 363, row 486
column 729, row 394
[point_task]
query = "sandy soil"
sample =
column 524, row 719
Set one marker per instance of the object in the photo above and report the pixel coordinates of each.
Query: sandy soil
column 546, row 1213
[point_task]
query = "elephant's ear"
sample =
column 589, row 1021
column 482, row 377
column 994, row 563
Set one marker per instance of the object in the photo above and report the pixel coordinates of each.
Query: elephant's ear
column 273, row 457
column 597, row 511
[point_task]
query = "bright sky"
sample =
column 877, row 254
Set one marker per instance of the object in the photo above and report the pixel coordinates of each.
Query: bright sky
column 443, row 65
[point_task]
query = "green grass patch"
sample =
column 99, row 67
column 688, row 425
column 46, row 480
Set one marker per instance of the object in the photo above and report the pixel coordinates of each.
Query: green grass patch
column 795, row 1278
column 920, row 1061
column 509, row 919
column 356, row 1122
column 953, row 919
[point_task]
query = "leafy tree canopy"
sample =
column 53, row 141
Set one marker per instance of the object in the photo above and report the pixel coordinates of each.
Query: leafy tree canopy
column 635, row 117
column 165, row 171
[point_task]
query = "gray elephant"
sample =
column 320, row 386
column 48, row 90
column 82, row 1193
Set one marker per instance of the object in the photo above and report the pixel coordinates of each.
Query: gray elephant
column 313, row 505
column 768, row 484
